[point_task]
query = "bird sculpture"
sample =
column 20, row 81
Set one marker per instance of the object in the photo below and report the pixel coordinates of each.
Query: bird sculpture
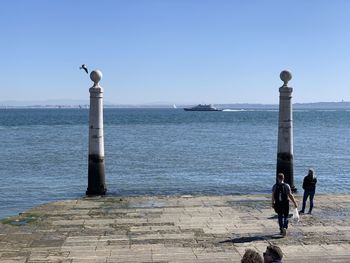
column 84, row 68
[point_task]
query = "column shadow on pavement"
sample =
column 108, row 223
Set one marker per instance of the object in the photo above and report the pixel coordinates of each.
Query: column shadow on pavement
column 248, row 239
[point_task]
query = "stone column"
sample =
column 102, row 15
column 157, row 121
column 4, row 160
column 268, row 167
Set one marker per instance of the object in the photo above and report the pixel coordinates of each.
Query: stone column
column 96, row 169
column 285, row 132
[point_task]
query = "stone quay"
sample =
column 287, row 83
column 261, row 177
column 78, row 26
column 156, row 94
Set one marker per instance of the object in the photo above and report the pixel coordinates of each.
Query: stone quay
column 170, row 229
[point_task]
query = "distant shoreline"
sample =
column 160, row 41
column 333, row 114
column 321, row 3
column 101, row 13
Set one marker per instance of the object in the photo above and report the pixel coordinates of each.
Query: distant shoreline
column 315, row 105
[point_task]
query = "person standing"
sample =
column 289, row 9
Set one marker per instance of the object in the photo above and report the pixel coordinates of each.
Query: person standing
column 309, row 186
column 273, row 254
column 281, row 193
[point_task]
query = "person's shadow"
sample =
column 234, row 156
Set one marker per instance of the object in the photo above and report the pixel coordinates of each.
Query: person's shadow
column 259, row 237
column 248, row 239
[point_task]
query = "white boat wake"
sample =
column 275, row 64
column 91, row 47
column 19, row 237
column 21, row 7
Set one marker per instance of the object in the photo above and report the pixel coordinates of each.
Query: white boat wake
column 233, row 110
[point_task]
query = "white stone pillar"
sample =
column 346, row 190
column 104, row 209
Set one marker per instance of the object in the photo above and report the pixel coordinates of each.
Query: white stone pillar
column 96, row 169
column 285, row 132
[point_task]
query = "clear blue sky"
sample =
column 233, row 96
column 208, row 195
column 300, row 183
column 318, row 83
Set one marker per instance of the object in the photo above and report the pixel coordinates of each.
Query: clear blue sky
column 176, row 51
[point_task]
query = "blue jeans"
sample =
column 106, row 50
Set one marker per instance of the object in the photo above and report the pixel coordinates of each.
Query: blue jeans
column 306, row 195
column 283, row 220
column 283, row 213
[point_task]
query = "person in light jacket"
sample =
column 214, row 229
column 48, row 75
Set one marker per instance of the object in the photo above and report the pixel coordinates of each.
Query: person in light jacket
column 309, row 186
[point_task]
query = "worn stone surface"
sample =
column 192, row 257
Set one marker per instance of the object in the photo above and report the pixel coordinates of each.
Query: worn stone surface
column 173, row 229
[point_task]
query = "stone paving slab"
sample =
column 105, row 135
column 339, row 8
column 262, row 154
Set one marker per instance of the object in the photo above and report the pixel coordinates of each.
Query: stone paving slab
column 173, row 229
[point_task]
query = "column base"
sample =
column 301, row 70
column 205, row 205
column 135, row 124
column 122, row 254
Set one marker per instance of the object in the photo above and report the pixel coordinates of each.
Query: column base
column 96, row 176
column 285, row 166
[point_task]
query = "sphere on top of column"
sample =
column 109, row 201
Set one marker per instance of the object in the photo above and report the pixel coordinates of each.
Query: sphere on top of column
column 285, row 76
column 96, row 76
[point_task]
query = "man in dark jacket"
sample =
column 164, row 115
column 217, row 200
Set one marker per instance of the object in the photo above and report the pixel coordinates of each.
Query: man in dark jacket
column 309, row 186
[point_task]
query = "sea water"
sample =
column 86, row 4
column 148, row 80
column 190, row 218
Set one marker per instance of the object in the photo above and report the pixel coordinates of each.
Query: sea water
column 44, row 153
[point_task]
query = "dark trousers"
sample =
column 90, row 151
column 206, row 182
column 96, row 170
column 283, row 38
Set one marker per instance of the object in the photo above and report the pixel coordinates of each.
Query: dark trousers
column 307, row 194
column 283, row 214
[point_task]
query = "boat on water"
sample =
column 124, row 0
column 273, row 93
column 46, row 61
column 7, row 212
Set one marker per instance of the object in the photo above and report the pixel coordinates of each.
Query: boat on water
column 202, row 107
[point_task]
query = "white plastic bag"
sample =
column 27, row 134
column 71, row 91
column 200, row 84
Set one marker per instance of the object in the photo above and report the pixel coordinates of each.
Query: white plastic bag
column 295, row 215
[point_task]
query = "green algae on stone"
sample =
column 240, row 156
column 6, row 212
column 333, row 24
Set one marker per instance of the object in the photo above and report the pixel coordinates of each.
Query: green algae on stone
column 258, row 204
column 22, row 219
